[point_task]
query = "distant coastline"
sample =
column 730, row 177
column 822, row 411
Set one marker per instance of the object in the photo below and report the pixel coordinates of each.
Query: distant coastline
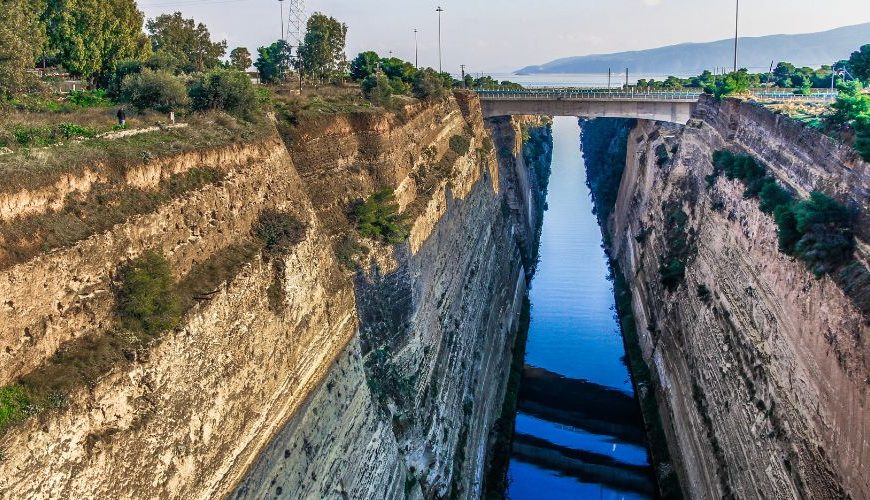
column 757, row 53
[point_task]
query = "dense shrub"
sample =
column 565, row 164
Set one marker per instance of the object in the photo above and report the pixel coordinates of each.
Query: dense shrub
column 378, row 218
column 33, row 136
column 817, row 230
column 737, row 82
column 225, row 89
column 364, row 65
column 158, row 90
column 89, row 98
column 147, row 300
column 460, row 144
column 662, row 155
column 772, row 195
column 787, row 232
column 851, row 104
column 825, row 225
column 377, row 89
column 862, row 137
column 672, row 273
column 428, row 85
column 279, row 230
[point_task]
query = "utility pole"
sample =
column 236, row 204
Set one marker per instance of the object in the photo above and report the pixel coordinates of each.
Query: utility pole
column 609, row 77
column 281, row 3
column 736, row 33
column 296, row 32
column 439, row 10
column 626, row 78
column 416, row 51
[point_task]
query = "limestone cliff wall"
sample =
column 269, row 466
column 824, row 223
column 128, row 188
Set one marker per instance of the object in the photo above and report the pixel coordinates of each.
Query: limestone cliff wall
column 762, row 382
column 408, row 409
column 374, row 383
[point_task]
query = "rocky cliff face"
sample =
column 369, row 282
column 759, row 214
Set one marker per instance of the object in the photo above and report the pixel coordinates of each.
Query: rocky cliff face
column 295, row 374
column 761, row 369
column 408, row 409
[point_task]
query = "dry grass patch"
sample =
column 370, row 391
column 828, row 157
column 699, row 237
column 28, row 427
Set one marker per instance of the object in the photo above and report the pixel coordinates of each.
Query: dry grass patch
column 90, row 213
column 33, row 168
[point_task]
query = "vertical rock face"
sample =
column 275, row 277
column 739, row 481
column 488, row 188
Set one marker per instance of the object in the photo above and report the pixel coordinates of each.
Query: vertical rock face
column 762, row 369
column 296, row 376
column 408, row 409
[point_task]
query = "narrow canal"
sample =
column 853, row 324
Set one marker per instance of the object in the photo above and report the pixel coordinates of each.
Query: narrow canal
column 578, row 429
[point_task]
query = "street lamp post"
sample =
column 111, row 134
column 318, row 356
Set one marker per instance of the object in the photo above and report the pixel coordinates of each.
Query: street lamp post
column 281, row 2
column 416, row 51
column 439, row 10
column 736, row 33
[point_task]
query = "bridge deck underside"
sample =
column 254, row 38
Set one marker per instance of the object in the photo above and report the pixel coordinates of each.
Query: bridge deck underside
column 666, row 111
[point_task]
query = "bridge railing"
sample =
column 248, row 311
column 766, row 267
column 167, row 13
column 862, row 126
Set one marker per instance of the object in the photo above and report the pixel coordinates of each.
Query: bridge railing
column 589, row 94
column 640, row 95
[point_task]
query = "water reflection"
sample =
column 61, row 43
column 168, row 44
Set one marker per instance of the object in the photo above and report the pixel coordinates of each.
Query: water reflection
column 579, row 432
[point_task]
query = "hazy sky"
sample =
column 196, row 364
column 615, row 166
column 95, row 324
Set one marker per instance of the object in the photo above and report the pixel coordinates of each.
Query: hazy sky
column 504, row 35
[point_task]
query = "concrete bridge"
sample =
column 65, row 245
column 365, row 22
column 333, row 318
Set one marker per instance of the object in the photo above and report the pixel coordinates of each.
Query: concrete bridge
column 668, row 106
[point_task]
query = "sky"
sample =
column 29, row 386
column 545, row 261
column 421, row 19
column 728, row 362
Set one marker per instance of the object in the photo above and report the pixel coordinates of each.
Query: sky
column 500, row 36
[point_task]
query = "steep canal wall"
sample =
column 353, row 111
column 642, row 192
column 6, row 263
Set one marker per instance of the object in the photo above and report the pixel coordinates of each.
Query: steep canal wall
column 760, row 367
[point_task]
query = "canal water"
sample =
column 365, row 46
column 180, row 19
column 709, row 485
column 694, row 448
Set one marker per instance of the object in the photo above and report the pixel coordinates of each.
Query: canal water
column 579, row 432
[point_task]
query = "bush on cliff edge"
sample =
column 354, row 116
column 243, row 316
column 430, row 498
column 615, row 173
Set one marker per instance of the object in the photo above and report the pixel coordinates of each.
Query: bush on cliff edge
column 817, row 230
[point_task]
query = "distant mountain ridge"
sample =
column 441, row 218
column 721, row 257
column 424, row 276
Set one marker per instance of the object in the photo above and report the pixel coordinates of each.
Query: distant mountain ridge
column 756, row 53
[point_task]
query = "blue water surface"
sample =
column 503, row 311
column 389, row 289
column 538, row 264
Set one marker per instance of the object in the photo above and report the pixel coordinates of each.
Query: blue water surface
column 573, row 330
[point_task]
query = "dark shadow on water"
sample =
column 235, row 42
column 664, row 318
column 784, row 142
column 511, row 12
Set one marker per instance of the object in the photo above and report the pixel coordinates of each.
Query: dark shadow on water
column 581, row 404
column 584, row 466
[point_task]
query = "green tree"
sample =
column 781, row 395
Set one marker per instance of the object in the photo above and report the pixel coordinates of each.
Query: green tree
column 429, row 85
column 396, row 68
column 273, row 62
column 364, row 65
column 859, row 63
column 377, row 88
column 862, row 137
column 21, row 40
column 240, row 58
column 826, row 226
column 229, row 90
column 733, row 83
column 187, row 41
column 322, row 52
column 850, row 104
column 158, row 90
column 379, row 218
column 88, row 37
